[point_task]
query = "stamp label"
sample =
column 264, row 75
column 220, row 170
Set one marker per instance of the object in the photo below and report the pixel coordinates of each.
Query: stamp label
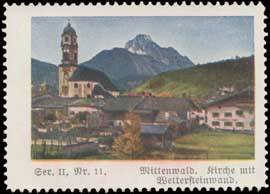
column 135, row 96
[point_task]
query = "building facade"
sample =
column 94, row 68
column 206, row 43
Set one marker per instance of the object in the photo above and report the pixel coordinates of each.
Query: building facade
column 199, row 115
column 81, row 88
column 86, row 83
column 75, row 80
column 69, row 61
column 230, row 118
column 231, row 112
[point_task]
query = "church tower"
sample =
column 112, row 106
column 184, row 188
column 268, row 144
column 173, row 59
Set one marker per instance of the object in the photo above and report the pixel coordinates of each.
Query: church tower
column 69, row 61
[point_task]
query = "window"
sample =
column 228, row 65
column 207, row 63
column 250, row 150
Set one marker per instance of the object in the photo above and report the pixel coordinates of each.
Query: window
column 215, row 123
column 250, row 112
column 215, row 114
column 239, row 112
column 251, row 124
column 75, row 85
column 228, row 114
column 239, row 124
column 65, row 80
column 167, row 115
column 66, row 39
column 228, row 124
column 88, row 85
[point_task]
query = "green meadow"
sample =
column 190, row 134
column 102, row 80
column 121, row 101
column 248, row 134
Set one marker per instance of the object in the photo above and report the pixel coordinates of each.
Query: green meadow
column 204, row 145
column 209, row 145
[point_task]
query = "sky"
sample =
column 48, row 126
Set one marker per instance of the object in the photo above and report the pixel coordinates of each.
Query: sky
column 202, row 39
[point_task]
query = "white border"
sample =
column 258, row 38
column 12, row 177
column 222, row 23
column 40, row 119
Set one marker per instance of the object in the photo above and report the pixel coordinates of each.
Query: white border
column 122, row 175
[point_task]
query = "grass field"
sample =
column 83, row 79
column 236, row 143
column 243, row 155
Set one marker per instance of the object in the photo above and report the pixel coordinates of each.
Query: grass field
column 205, row 145
column 210, row 145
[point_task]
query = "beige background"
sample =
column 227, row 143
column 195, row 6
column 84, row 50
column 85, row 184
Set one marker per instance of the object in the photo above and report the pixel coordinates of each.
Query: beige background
column 121, row 174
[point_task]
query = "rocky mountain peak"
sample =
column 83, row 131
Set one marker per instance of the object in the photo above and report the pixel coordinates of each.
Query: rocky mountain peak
column 140, row 44
column 143, row 44
column 143, row 37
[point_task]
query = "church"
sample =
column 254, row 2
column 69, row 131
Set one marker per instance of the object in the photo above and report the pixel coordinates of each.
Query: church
column 76, row 80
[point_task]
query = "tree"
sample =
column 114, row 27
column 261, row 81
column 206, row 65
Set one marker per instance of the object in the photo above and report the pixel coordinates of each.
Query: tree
column 129, row 143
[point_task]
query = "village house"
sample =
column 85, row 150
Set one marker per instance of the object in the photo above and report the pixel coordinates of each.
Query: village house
column 225, row 90
column 198, row 115
column 50, row 106
column 86, row 105
column 156, row 135
column 165, row 109
column 40, row 90
column 115, row 109
column 152, row 111
column 232, row 112
column 77, row 112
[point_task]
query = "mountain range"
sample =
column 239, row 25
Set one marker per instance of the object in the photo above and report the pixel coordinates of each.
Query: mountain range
column 139, row 60
column 43, row 72
column 143, row 66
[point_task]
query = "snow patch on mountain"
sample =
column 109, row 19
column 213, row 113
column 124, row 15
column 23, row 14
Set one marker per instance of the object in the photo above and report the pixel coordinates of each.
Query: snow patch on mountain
column 143, row 44
column 138, row 51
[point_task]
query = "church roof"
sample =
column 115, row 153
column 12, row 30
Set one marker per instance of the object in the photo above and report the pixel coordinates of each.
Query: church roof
column 98, row 90
column 86, row 74
column 247, row 92
column 88, row 102
column 137, row 103
column 69, row 30
column 166, row 104
column 122, row 104
column 51, row 101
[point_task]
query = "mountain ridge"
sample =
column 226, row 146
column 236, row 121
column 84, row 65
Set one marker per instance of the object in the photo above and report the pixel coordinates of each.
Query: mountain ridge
column 202, row 80
column 44, row 72
column 119, row 64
